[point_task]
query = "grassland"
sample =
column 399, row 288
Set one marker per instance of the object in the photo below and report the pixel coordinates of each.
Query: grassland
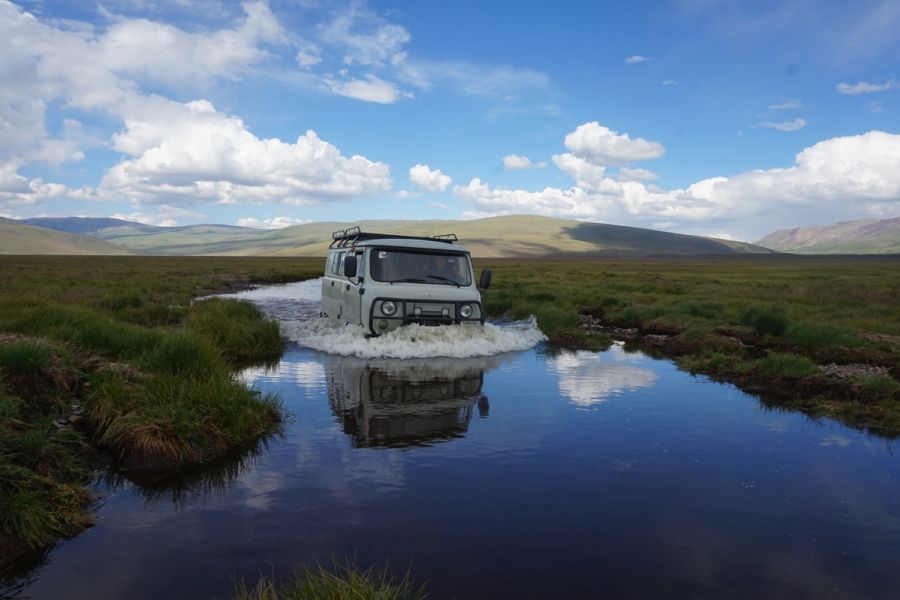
column 818, row 334
column 110, row 354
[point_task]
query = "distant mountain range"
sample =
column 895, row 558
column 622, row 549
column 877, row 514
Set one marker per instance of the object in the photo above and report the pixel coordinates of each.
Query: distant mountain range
column 17, row 237
column 494, row 236
column 867, row 236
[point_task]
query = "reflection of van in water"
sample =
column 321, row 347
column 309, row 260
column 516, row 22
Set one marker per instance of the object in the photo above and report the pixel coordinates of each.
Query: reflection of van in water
column 405, row 403
column 383, row 281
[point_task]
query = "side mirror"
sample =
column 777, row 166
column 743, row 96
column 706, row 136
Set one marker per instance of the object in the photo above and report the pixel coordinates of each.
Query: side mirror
column 485, row 281
column 350, row 266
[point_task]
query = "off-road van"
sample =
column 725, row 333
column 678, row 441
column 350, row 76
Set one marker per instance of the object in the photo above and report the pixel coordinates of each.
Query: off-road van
column 383, row 281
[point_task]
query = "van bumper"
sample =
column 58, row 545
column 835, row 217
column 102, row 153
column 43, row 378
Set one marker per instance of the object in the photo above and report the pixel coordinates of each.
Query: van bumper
column 422, row 312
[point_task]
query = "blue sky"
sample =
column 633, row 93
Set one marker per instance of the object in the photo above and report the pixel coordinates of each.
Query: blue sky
column 699, row 116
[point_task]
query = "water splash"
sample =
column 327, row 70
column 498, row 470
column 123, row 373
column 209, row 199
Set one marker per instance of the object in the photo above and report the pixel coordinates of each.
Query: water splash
column 415, row 341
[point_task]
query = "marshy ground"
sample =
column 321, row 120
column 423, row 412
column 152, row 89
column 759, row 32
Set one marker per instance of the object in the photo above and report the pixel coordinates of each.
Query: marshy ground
column 107, row 359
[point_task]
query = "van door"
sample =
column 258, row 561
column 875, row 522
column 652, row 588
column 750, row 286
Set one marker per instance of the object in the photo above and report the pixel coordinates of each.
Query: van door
column 331, row 299
column 351, row 298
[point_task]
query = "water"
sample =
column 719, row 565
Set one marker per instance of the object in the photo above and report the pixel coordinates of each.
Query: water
column 527, row 474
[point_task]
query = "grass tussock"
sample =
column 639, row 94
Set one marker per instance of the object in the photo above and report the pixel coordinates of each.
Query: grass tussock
column 171, row 420
column 341, row 582
column 108, row 351
column 238, row 329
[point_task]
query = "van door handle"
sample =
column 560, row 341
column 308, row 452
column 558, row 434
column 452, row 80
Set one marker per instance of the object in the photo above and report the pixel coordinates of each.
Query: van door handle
column 347, row 288
column 332, row 284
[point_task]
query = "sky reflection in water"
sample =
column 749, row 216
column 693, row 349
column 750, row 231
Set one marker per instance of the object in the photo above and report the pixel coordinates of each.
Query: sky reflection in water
column 534, row 474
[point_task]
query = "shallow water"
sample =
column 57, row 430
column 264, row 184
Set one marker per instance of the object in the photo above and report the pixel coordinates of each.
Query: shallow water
column 523, row 474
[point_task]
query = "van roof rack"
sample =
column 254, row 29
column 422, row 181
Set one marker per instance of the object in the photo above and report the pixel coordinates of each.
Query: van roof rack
column 350, row 236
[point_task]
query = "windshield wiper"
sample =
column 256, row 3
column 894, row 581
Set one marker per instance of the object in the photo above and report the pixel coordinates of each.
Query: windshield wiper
column 442, row 278
column 409, row 280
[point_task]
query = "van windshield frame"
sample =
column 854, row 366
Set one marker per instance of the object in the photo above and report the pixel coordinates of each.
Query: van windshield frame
column 415, row 265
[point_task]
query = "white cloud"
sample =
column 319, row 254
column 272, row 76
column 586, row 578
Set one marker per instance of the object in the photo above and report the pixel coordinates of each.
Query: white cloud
column 170, row 55
column 843, row 176
column 636, row 59
column 370, row 89
column 439, row 205
column 669, row 82
column 195, row 154
column 875, row 106
column 188, row 153
column 429, row 180
column 864, row 87
column 163, row 216
column 627, row 174
column 490, row 81
column 272, row 223
column 586, row 174
column 514, row 162
column 792, row 125
column 789, row 104
column 602, row 146
column 365, row 37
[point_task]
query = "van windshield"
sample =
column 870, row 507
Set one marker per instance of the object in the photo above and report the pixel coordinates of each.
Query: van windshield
column 411, row 266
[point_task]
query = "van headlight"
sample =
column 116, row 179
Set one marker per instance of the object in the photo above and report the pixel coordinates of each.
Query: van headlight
column 465, row 311
column 388, row 307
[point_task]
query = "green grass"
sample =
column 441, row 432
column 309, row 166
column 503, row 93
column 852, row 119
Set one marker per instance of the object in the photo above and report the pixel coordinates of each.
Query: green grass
column 802, row 311
column 341, row 582
column 237, row 328
column 784, row 366
column 120, row 337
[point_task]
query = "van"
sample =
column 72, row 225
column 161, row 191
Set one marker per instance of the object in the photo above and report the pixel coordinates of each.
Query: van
column 384, row 281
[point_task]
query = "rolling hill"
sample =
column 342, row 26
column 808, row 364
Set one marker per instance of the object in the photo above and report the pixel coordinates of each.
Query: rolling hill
column 866, row 236
column 18, row 238
column 494, row 236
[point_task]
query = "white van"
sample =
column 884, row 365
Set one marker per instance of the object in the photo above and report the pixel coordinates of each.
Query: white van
column 383, row 281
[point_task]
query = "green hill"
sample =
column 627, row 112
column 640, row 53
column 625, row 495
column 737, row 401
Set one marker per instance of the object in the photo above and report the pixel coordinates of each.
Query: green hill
column 867, row 236
column 19, row 238
column 495, row 236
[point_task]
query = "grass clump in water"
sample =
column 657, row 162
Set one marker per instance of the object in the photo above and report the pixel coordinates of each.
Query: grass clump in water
column 237, row 328
column 171, row 421
column 342, row 582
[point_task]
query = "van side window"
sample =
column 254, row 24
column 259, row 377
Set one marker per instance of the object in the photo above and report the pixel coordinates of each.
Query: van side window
column 360, row 264
column 340, row 264
column 329, row 263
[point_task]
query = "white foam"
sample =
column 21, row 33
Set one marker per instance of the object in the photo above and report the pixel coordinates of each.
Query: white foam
column 415, row 341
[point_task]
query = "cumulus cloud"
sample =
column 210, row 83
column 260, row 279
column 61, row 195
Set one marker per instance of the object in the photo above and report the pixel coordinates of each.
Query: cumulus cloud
column 843, row 176
column 628, row 174
column 174, row 152
column 272, row 223
column 636, row 59
column 864, row 87
column 428, row 179
column 170, row 55
column 792, row 125
column 514, row 162
column 195, row 153
column 370, row 89
column 603, row 146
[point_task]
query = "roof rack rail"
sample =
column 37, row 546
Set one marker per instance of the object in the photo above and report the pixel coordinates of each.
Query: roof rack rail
column 348, row 237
